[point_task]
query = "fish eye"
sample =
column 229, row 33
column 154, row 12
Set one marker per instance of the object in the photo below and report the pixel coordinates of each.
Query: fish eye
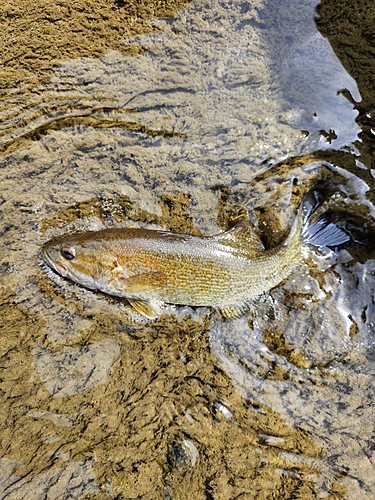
column 68, row 252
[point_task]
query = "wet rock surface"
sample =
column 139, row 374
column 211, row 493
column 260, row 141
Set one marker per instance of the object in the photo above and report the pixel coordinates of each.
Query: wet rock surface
column 204, row 122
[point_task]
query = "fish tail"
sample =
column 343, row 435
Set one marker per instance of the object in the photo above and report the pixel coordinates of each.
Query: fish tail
column 323, row 232
column 311, row 201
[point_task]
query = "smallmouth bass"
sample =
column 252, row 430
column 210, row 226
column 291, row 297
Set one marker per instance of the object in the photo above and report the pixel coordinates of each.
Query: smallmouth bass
column 151, row 267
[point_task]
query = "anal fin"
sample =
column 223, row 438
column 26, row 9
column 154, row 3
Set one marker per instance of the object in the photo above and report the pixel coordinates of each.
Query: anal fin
column 259, row 306
column 235, row 310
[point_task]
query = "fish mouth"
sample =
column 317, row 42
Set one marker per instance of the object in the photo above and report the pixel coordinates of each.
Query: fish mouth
column 56, row 266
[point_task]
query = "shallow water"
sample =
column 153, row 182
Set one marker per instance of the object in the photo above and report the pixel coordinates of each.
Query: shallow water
column 226, row 107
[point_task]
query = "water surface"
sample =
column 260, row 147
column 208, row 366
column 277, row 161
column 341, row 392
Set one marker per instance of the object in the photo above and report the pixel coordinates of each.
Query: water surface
column 224, row 108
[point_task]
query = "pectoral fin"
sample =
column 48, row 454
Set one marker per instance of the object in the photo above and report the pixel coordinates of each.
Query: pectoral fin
column 142, row 282
column 143, row 307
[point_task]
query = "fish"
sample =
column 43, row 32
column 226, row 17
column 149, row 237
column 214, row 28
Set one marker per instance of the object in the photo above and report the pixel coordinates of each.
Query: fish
column 150, row 268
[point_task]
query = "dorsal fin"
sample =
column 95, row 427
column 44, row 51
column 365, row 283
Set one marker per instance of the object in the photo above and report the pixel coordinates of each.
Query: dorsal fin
column 243, row 236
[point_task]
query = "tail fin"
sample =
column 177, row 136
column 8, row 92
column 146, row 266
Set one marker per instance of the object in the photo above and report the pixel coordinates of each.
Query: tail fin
column 311, row 201
column 325, row 234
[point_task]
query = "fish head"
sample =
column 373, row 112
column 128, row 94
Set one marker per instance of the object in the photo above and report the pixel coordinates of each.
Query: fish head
column 81, row 259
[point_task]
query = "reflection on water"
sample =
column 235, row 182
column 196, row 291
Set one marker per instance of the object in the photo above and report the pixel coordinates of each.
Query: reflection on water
column 310, row 78
column 229, row 107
